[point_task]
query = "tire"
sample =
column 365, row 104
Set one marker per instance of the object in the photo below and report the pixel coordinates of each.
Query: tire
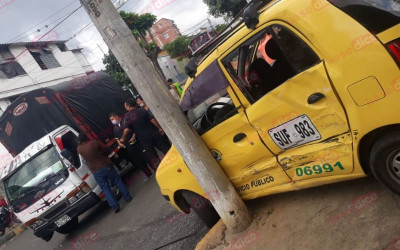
column 385, row 161
column 69, row 227
column 202, row 207
column 2, row 231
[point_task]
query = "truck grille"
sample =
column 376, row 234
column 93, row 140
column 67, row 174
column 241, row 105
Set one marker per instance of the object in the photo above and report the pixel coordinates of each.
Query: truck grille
column 55, row 211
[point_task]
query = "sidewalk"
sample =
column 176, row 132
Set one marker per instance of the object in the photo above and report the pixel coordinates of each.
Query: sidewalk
column 10, row 234
column 360, row 214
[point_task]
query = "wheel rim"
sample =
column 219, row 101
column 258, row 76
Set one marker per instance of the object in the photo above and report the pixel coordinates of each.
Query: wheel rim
column 394, row 165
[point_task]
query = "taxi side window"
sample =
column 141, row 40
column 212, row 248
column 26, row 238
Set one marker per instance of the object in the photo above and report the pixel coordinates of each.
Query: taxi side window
column 267, row 60
column 215, row 110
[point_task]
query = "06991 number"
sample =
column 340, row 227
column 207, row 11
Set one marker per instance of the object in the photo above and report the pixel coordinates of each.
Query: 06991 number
column 317, row 169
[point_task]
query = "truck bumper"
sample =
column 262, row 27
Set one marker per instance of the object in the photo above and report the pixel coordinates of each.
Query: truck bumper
column 74, row 211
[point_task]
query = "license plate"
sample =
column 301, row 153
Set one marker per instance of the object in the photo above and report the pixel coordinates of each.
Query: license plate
column 294, row 133
column 62, row 221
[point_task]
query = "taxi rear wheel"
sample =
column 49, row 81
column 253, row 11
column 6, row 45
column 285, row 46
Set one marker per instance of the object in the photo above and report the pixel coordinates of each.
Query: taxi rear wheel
column 385, row 161
column 202, row 207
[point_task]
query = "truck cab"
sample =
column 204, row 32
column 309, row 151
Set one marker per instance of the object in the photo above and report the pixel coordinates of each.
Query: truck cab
column 48, row 185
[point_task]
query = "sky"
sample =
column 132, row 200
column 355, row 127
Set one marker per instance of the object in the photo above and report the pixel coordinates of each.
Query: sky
column 19, row 19
column 29, row 20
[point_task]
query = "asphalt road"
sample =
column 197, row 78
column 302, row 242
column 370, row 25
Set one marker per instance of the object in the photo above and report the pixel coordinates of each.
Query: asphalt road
column 148, row 222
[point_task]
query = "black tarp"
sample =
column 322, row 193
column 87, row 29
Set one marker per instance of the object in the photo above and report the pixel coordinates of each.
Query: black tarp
column 36, row 113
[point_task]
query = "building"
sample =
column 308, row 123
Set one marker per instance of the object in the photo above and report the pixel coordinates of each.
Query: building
column 172, row 69
column 163, row 31
column 25, row 66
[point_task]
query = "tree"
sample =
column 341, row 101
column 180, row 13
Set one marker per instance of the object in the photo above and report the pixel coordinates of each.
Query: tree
column 220, row 8
column 139, row 24
column 220, row 27
column 178, row 47
column 115, row 70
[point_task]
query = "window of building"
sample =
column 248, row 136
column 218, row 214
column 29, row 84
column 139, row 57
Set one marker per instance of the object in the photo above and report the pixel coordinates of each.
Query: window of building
column 166, row 36
column 44, row 57
column 267, row 60
column 62, row 47
column 9, row 68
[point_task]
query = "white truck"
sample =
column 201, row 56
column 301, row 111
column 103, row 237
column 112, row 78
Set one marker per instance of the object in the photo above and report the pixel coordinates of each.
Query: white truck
column 48, row 185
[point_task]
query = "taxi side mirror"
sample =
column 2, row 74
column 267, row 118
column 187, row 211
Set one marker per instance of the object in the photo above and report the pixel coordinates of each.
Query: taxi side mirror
column 251, row 15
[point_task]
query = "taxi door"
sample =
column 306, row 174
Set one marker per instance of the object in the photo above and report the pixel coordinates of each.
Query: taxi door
column 220, row 120
column 294, row 107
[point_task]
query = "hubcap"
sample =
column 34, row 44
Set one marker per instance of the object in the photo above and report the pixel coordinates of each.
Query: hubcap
column 394, row 164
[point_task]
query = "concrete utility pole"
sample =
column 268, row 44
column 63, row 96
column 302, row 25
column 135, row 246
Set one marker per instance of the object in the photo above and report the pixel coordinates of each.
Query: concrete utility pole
column 147, row 81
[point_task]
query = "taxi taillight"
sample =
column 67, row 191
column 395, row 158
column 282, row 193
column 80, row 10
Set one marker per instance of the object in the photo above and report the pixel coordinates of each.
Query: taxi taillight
column 394, row 48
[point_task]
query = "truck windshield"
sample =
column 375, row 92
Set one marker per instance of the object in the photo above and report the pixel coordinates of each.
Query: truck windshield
column 35, row 179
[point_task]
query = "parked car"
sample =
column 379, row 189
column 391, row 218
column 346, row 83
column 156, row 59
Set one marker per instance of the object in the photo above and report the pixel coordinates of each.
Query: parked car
column 323, row 110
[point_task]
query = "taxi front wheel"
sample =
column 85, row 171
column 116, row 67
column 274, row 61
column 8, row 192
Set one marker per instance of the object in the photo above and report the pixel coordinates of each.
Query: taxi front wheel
column 202, row 207
column 385, row 161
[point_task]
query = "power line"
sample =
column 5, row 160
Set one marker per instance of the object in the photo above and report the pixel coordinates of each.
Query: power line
column 51, row 29
column 41, row 21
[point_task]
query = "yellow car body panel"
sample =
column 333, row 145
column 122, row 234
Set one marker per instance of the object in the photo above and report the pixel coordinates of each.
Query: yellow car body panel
column 361, row 84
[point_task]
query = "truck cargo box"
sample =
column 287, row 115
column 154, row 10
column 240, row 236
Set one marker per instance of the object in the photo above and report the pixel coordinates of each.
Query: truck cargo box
column 83, row 103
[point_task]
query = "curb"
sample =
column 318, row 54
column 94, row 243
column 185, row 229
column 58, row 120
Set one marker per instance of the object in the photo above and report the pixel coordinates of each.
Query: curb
column 10, row 235
column 206, row 242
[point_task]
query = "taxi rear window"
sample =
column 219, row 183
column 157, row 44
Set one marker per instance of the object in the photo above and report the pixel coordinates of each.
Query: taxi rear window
column 374, row 15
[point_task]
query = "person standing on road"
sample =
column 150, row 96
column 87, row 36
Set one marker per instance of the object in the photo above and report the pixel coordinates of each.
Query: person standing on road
column 96, row 157
column 175, row 86
column 147, row 130
column 131, row 149
column 141, row 104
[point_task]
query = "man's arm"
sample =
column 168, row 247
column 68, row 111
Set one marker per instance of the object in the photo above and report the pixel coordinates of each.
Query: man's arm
column 124, row 135
column 155, row 122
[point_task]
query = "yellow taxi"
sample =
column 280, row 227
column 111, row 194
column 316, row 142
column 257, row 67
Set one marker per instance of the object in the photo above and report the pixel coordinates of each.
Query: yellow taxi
column 296, row 94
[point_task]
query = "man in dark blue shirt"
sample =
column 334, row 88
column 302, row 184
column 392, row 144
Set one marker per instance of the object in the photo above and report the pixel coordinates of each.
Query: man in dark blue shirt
column 130, row 149
column 147, row 130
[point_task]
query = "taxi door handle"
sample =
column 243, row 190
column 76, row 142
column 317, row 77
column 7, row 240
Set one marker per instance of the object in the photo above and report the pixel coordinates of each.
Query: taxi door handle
column 315, row 98
column 239, row 137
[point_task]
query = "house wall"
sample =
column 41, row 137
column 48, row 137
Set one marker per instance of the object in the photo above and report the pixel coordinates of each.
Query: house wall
column 83, row 61
column 164, row 31
column 36, row 77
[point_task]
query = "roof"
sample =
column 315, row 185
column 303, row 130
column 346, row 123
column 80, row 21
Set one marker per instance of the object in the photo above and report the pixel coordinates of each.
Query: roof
column 33, row 43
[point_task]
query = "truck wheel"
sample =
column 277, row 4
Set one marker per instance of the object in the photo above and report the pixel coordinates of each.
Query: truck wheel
column 202, row 207
column 2, row 231
column 69, row 227
column 385, row 161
